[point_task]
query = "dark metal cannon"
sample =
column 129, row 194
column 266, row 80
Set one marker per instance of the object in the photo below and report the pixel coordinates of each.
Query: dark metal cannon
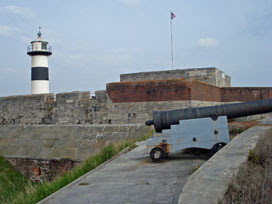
column 164, row 119
column 204, row 127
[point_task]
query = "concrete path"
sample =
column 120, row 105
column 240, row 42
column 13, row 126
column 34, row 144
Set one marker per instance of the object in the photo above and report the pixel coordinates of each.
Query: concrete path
column 131, row 178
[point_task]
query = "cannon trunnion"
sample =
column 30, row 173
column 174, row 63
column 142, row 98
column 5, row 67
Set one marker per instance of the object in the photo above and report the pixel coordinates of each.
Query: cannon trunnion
column 204, row 127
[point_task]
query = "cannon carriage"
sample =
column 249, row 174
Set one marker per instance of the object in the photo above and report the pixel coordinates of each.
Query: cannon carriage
column 204, row 127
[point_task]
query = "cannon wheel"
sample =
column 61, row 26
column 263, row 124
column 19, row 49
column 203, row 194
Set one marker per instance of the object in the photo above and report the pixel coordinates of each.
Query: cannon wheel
column 157, row 154
column 217, row 147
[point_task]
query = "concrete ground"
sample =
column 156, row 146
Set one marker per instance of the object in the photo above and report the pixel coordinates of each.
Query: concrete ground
column 131, row 178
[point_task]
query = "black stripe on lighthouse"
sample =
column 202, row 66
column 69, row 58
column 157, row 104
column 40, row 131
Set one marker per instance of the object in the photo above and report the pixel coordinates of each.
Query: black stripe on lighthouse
column 39, row 73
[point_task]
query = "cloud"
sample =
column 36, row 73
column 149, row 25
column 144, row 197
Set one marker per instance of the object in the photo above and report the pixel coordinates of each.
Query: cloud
column 18, row 11
column 131, row 2
column 7, row 31
column 207, row 43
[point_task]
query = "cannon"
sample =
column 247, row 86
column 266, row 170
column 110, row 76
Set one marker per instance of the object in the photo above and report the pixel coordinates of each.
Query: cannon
column 204, row 127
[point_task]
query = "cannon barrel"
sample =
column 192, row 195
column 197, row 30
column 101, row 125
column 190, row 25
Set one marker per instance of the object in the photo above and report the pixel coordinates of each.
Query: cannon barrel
column 164, row 119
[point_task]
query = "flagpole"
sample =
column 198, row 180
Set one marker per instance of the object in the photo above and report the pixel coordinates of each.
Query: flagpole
column 172, row 54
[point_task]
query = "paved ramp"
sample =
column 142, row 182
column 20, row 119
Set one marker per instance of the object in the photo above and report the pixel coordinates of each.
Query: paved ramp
column 131, row 178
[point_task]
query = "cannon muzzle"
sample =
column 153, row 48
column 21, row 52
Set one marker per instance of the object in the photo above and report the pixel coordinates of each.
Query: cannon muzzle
column 149, row 122
column 164, row 119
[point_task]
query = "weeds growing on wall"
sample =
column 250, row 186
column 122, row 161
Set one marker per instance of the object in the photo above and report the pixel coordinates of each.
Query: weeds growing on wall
column 253, row 184
column 34, row 193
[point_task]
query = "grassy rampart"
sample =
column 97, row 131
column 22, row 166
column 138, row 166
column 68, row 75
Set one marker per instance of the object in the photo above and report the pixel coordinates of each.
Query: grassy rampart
column 253, row 184
column 26, row 192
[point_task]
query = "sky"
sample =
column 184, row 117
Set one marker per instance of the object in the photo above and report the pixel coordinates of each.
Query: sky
column 95, row 41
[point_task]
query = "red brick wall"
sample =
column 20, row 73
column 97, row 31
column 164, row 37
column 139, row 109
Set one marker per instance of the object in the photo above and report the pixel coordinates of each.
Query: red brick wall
column 40, row 170
column 205, row 92
column 245, row 93
column 140, row 91
column 179, row 90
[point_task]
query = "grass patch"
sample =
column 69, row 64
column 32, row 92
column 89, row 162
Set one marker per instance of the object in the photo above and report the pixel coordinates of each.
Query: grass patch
column 262, row 117
column 195, row 169
column 11, row 182
column 236, row 131
column 236, row 128
column 253, row 183
column 35, row 193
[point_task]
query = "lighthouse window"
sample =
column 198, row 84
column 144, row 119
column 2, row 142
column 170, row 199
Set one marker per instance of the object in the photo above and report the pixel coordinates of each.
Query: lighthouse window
column 44, row 46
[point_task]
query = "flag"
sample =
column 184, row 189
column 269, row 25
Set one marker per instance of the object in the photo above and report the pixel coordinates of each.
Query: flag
column 172, row 15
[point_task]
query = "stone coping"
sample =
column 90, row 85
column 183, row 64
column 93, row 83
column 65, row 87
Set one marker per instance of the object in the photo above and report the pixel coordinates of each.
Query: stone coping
column 211, row 181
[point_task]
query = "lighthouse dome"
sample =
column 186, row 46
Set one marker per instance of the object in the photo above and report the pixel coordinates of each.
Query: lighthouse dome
column 39, row 47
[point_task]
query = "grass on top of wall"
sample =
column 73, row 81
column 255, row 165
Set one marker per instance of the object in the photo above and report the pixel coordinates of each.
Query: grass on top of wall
column 35, row 193
column 253, row 184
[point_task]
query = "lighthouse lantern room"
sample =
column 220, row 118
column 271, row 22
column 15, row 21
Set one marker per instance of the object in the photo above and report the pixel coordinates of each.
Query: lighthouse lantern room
column 39, row 51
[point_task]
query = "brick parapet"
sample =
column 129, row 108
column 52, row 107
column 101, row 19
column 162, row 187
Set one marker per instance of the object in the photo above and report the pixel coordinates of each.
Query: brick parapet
column 205, row 92
column 245, row 93
column 153, row 90
column 181, row 90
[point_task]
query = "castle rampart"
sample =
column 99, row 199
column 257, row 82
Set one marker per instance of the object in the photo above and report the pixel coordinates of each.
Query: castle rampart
column 128, row 102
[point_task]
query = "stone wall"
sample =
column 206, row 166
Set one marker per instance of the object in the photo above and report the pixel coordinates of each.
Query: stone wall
column 27, row 109
column 66, row 108
column 76, row 142
column 71, row 108
column 121, row 103
column 122, row 113
column 211, row 76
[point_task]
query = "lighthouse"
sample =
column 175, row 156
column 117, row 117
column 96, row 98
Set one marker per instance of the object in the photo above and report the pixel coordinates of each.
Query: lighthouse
column 39, row 51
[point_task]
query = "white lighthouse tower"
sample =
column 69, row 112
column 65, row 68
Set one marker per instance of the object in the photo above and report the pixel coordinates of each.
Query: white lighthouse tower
column 39, row 51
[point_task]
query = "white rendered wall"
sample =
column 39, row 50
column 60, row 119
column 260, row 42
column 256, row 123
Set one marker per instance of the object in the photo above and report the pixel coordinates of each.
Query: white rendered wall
column 37, row 46
column 39, row 61
column 39, row 86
